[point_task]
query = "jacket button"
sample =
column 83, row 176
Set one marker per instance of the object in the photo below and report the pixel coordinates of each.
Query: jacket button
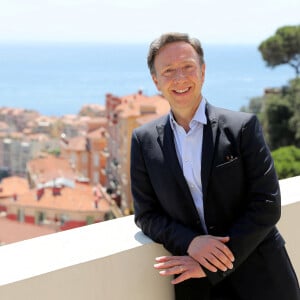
column 211, row 227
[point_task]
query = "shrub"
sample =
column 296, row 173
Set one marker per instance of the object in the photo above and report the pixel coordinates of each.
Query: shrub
column 287, row 161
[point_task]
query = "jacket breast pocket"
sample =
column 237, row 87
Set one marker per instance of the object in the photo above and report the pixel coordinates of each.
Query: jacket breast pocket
column 229, row 173
column 228, row 164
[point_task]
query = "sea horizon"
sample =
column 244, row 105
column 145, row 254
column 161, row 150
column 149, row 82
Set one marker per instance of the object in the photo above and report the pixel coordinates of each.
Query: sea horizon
column 57, row 79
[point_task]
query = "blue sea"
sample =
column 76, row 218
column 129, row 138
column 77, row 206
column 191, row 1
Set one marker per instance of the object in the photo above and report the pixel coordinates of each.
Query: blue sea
column 58, row 79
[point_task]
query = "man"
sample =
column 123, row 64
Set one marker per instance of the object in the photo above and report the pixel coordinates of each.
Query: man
column 204, row 186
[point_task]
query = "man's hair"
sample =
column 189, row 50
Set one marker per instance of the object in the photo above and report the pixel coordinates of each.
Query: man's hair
column 172, row 37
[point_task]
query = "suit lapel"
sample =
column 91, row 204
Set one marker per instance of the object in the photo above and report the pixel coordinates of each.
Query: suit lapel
column 166, row 140
column 208, row 147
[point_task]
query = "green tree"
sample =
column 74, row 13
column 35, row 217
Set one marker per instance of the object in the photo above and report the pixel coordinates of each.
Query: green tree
column 277, row 114
column 293, row 97
column 255, row 106
column 283, row 48
column 287, row 161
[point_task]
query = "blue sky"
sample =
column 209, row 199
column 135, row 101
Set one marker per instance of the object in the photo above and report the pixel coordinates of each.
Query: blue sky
column 140, row 21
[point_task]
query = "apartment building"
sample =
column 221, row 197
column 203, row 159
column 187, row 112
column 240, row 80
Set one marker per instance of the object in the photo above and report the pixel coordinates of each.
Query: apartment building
column 52, row 195
column 16, row 149
column 93, row 110
column 17, row 118
column 87, row 155
column 97, row 147
column 15, row 152
column 94, row 155
column 125, row 114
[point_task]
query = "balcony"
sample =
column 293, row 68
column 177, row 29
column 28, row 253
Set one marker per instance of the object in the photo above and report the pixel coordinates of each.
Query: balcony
column 109, row 260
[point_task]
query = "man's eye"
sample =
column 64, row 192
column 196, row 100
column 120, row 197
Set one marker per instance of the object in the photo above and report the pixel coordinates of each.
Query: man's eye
column 189, row 67
column 168, row 71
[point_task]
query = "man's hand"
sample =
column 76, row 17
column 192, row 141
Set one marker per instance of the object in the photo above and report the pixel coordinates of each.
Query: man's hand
column 174, row 265
column 211, row 252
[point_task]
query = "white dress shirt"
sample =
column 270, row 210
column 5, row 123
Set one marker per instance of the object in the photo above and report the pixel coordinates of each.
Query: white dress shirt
column 189, row 152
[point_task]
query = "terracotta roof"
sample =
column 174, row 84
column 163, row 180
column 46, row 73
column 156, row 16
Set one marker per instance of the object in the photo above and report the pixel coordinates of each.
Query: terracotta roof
column 97, row 122
column 16, row 135
column 13, row 231
column 142, row 105
column 101, row 120
column 50, row 167
column 130, row 112
column 13, row 185
column 17, row 111
column 93, row 106
column 3, row 126
column 74, row 119
column 38, row 137
column 77, row 143
column 98, row 133
column 147, row 118
column 79, row 198
column 5, row 110
column 41, row 118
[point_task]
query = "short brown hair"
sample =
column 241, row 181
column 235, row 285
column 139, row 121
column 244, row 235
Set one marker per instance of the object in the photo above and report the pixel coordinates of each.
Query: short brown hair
column 168, row 38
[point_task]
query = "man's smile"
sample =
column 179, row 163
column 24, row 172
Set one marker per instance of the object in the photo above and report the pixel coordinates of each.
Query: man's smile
column 181, row 91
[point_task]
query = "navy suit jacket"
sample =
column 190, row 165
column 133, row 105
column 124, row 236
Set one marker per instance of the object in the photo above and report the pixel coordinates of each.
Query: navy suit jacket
column 241, row 195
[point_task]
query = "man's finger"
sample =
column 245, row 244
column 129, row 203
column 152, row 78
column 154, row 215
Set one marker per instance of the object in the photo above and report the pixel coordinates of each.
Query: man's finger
column 202, row 261
column 223, row 239
column 220, row 256
column 224, row 249
column 181, row 278
column 172, row 271
column 163, row 258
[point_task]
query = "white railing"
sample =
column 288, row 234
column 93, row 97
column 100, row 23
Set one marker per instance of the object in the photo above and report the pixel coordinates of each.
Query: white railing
column 110, row 260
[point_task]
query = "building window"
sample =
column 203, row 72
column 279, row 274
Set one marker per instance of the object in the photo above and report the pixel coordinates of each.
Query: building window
column 96, row 160
column 96, row 177
column 90, row 220
column 85, row 172
column 73, row 158
column 84, row 158
column 21, row 215
column 39, row 217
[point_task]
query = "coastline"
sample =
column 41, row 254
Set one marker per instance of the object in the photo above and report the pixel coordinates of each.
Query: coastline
column 63, row 77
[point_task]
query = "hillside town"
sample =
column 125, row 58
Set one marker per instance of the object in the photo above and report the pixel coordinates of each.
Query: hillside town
column 59, row 173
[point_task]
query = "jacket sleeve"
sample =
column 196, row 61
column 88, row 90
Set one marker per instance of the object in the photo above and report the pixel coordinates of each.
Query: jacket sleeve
column 150, row 216
column 262, row 197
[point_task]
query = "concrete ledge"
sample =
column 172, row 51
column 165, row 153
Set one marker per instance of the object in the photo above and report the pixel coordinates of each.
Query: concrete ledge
column 109, row 260
column 288, row 227
column 290, row 218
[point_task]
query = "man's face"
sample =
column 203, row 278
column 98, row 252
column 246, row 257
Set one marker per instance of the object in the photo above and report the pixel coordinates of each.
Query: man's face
column 179, row 76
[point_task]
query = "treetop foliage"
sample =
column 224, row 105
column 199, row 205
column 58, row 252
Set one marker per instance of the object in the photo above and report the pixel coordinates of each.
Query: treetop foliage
column 279, row 108
column 279, row 114
column 283, row 48
column 287, row 161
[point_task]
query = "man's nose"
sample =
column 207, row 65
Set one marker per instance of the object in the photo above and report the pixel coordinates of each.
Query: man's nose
column 179, row 74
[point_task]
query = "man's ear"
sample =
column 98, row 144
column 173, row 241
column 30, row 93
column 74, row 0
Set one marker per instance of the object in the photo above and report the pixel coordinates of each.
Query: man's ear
column 203, row 68
column 155, row 81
